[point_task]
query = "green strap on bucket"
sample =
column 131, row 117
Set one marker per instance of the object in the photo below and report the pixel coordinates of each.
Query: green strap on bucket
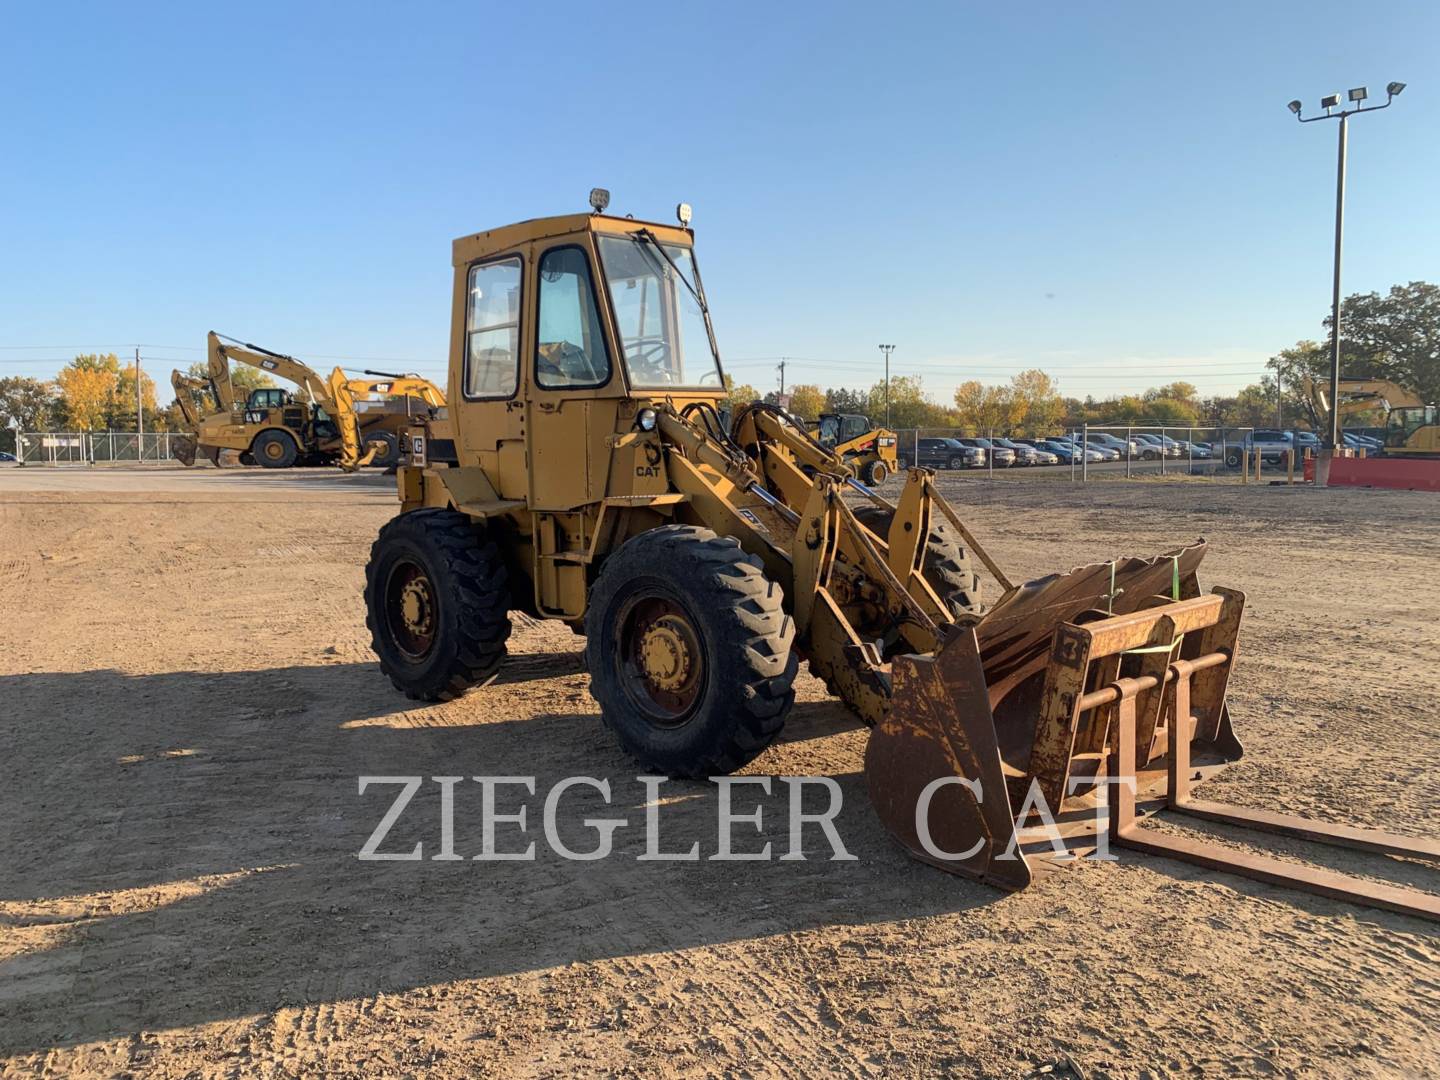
column 1174, row 595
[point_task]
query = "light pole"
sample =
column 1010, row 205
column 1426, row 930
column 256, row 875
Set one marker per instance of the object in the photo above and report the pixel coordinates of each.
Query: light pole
column 1329, row 102
column 887, row 350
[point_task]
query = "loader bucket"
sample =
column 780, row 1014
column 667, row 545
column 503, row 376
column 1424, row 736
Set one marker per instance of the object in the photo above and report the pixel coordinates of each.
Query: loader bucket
column 184, row 448
column 1086, row 701
column 973, row 710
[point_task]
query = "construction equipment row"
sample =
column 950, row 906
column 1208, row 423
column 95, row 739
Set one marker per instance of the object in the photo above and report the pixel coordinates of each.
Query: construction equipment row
column 343, row 420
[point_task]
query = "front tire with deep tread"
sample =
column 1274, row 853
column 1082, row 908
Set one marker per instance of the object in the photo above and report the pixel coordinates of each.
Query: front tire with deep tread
column 466, row 595
column 947, row 564
column 742, row 636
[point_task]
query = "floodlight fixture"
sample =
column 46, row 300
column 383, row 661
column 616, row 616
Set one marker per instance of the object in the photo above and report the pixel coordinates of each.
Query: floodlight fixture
column 1358, row 94
column 1330, row 101
column 1294, row 107
column 599, row 199
column 1393, row 90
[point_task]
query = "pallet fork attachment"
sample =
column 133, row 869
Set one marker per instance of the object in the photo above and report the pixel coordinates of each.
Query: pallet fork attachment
column 1126, row 709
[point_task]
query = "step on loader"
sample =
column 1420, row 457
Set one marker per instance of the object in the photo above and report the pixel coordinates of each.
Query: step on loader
column 583, row 473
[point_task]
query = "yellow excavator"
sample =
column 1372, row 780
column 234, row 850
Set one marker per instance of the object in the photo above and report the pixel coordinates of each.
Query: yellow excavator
column 1412, row 427
column 349, row 398
column 583, row 473
column 334, row 421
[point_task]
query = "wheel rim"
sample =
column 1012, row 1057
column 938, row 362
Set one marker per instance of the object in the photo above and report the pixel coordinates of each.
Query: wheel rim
column 411, row 613
column 878, row 474
column 662, row 665
column 274, row 450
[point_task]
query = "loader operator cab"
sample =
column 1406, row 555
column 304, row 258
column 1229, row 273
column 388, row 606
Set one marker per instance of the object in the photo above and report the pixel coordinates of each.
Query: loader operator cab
column 836, row 428
column 648, row 286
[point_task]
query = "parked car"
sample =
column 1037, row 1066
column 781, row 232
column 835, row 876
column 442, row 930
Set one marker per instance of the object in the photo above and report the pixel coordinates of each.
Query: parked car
column 941, row 454
column 1048, row 456
column 1025, row 454
column 1105, row 441
column 1368, row 443
column 1154, row 447
column 1197, row 450
column 1371, row 444
column 1002, row 457
column 1273, row 446
column 1066, row 450
column 6, row 457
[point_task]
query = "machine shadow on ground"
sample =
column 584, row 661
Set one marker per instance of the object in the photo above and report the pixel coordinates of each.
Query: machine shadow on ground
column 195, row 858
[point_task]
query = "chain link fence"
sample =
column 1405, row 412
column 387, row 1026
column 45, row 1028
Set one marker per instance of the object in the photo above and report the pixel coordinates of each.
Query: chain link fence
column 1107, row 452
column 94, row 447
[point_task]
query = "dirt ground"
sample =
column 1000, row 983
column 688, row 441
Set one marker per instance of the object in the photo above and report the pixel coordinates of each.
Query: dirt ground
column 188, row 699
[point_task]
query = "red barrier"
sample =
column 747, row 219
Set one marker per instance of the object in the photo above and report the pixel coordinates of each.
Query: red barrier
column 1406, row 474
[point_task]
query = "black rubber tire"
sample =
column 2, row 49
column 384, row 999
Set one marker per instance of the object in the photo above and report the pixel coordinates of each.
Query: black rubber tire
column 471, row 594
column 947, row 564
column 247, row 458
column 874, row 473
column 388, row 456
column 903, row 461
column 285, row 451
column 956, row 462
column 1232, row 458
column 745, row 637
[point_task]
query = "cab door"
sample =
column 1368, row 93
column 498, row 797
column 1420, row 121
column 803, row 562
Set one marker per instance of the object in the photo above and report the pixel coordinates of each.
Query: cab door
column 570, row 411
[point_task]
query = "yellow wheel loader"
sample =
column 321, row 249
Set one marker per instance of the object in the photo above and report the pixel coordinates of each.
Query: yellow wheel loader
column 326, row 422
column 583, row 473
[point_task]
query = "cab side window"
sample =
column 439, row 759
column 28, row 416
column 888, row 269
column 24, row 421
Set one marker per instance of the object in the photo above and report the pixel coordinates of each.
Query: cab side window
column 492, row 329
column 570, row 349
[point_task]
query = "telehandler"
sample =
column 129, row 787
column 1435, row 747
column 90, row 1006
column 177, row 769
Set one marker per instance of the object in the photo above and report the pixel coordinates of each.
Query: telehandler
column 322, row 424
column 582, row 473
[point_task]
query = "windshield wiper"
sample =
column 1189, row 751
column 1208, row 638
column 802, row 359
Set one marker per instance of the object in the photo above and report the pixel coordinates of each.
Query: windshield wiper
column 655, row 243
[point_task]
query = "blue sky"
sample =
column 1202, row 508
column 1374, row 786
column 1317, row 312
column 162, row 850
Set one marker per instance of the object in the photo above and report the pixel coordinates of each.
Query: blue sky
column 1114, row 193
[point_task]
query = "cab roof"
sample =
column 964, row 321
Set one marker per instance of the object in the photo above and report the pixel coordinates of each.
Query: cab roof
column 480, row 245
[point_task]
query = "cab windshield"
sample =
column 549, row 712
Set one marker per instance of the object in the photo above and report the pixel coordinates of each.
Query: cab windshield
column 662, row 326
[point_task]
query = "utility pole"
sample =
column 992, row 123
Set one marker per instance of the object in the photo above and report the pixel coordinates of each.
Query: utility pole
column 887, row 350
column 139, row 404
column 1329, row 102
column 782, row 376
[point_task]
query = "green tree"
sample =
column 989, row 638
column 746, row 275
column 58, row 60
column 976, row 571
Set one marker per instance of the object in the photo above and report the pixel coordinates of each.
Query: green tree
column 28, row 404
column 839, row 399
column 909, row 406
column 735, row 396
column 1395, row 336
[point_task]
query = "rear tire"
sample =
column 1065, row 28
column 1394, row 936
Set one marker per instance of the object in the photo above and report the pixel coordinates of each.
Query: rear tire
column 389, row 455
column 274, row 449
column 436, row 601
column 947, row 564
column 956, row 462
column 874, row 473
column 689, row 651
